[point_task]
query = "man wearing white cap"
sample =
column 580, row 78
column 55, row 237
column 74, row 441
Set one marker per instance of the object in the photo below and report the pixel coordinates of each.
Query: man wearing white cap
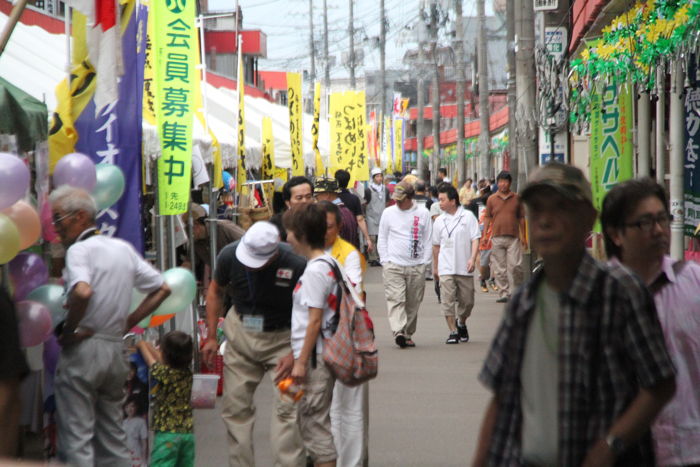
column 258, row 274
column 375, row 208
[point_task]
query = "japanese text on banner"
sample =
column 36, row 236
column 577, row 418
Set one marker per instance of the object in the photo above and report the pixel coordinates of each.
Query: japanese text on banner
column 242, row 167
column 268, row 157
column 692, row 153
column 294, row 104
column 361, row 165
column 175, row 47
column 315, row 129
column 336, row 129
column 398, row 145
column 347, row 144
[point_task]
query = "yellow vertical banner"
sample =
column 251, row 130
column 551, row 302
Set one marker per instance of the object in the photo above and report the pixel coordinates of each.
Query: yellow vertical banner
column 360, row 163
column 175, row 47
column 294, row 105
column 315, row 129
column 337, row 130
column 387, row 145
column 268, row 157
column 398, row 145
column 242, row 168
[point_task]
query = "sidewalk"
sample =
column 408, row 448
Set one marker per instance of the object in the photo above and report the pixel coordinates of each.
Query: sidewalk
column 426, row 405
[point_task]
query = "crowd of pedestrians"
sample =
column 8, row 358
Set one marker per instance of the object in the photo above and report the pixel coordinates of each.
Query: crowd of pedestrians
column 594, row 362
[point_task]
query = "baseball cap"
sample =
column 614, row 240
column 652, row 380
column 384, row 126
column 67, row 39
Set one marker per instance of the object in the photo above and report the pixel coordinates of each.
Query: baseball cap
column 326, row 185
column 196, row 211
column 258, row 245
column 566, row 179
column 403, row 189
column 376, row 171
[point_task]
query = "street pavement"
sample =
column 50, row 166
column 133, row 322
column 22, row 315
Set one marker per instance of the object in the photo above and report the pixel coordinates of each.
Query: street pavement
column 426, row 405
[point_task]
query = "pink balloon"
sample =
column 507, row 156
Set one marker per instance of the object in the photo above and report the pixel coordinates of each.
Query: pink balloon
column 76, row 170
column 34, row 323
column 47, row 229
column 27, row 221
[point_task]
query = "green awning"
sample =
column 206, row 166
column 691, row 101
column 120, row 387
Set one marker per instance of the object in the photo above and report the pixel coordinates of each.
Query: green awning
column 23, row 116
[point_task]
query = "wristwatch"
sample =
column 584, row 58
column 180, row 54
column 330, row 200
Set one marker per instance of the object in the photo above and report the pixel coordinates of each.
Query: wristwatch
column 615, row 444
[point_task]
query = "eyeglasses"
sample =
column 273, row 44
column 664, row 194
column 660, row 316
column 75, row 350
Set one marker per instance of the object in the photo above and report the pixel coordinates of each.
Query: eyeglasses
column 647, row 224
column 57, row 220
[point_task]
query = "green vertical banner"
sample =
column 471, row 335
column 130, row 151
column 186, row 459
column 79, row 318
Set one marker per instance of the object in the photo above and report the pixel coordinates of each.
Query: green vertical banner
column 611, row 150
column 175, row 49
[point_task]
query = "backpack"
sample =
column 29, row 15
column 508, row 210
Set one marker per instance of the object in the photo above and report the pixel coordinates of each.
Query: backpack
column 350, row 353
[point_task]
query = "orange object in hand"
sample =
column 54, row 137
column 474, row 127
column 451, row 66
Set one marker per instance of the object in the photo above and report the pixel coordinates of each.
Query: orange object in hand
column 290, row 389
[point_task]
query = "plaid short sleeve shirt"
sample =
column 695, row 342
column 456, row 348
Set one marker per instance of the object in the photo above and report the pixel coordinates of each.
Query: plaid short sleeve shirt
column 610, row 346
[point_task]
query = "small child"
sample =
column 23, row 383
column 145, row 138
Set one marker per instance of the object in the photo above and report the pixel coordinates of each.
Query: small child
column 173, row 443
column 136, row 434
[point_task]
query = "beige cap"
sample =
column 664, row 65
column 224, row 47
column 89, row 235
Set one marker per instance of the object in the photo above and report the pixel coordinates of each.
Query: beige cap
column 566, row 179
column 402, row 191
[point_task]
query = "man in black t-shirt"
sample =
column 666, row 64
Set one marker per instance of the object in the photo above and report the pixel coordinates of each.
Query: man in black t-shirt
column 258, row 275
column 353, row 203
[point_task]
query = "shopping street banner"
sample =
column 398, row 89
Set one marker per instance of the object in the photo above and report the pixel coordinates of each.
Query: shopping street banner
column 388, row 142
column 691, row 166
column 315, row 129
column 268, row 157
column 398, row 145
column 611, row 145
column 360, row 168
column 175, row 47
column 242, row 168
column 114, row 136
column 294, row 105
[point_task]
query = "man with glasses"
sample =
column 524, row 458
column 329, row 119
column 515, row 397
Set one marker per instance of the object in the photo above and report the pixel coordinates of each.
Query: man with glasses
column 579, row 368
column 636, row 227
column 100, row 275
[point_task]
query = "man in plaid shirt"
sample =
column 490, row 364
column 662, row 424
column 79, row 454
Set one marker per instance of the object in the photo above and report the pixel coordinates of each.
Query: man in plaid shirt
column 578, row 367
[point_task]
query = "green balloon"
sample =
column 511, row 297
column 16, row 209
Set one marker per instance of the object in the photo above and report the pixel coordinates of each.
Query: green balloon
column 182, row 291
column 145, row 322
column 109, row 186
column 136, row 299
column 9, row 239
column 51, row 296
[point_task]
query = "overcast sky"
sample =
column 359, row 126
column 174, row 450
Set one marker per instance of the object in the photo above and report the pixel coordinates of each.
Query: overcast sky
column 286, row 24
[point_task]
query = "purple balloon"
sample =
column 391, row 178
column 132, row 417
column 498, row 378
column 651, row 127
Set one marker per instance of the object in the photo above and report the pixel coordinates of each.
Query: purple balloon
column 34, row 323
column 27, row 271
column 14, row 179
column 51, row 351
column 76, row 170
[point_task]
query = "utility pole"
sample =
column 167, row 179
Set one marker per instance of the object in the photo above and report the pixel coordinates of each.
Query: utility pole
column 435, row 159
column 660, row 126
column 484, row 114
column 459, row 52
column 327, row 65
column 382, row 60
column 525, row 88
column 312, row 51
column 420, row 163
column 512, row 128
column 677, row 158
column 351, row 58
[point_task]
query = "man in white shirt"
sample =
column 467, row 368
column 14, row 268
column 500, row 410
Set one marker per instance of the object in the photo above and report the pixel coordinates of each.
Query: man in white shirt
column 455, row 246
column 100, row 275
column 404, row 248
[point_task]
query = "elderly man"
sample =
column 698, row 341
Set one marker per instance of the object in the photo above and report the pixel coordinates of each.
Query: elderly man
column 258, row 274
column 578, row 367
column 100, row 275
column 637, row 228
column 404, row 245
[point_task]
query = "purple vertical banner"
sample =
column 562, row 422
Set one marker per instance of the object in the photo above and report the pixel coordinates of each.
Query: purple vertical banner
column 114, row 136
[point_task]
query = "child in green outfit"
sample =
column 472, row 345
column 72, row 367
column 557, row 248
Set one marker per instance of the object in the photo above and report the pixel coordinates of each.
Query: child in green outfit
column 173, row 444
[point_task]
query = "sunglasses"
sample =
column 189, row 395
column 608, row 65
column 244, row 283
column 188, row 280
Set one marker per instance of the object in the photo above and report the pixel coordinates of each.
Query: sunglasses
column 57, row 220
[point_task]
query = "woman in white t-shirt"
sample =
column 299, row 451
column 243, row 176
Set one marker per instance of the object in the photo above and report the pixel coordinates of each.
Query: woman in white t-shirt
column 313, row 318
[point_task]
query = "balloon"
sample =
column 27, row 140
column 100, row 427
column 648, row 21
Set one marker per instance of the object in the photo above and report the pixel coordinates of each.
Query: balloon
column 47, row 229
column 227, row 179
column 27, row 221
column 154, row 320
column 9, row 239
column 27, row 271
column 136, row 299
column 34, row 323
column 182, row 291
column 76, row 170
column 51, row 296
column 51, row 351
column 110, row 185
column 14, row 179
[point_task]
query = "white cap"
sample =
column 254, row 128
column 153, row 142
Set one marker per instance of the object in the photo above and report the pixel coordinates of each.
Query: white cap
column 414, row 172
column 258, row 245
column 447, row 180
column 376, row 171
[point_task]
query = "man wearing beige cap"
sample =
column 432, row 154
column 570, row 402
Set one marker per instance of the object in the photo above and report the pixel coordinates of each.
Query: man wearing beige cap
column 578, row 367
column 404, row 244
column 258, row 274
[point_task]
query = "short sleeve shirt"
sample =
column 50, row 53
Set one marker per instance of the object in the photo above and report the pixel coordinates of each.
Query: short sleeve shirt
column 266, row 292
column 454, row 235
column 172, row 394
column 317, row 288
column 505, row 214
column 351, row 201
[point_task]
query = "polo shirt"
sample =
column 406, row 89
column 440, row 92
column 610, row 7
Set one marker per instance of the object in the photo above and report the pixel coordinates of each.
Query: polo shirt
column 505, row 214
column 454, row 235
column 265, row 292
